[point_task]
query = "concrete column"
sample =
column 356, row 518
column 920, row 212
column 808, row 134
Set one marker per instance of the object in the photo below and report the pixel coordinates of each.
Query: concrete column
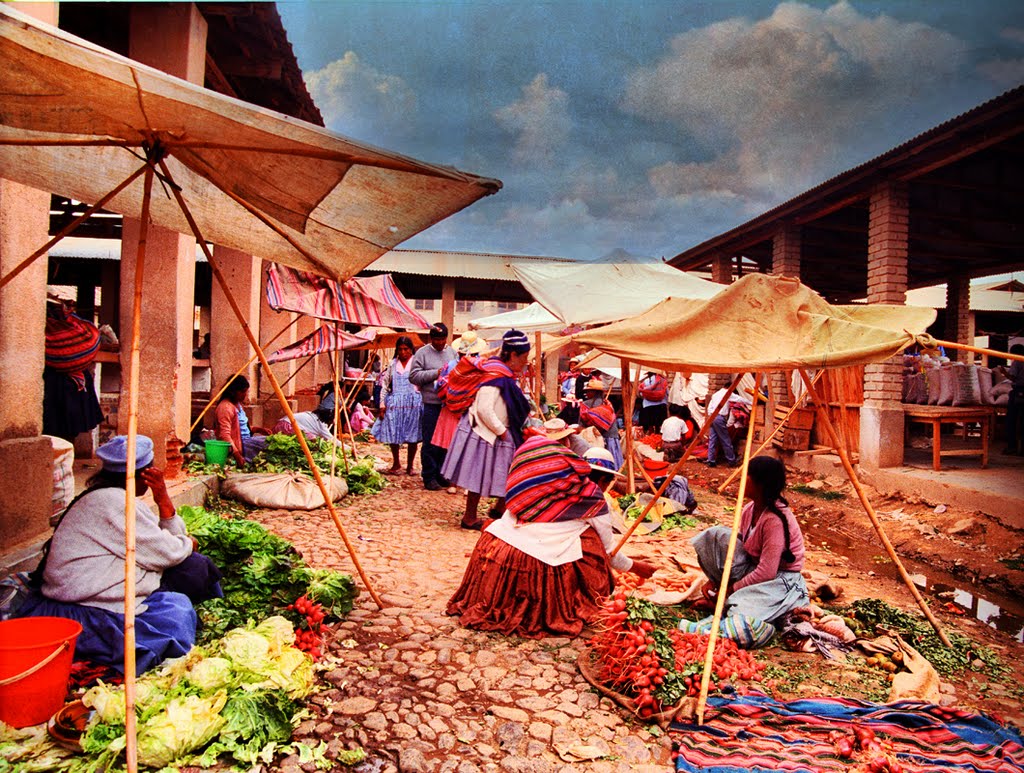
column 881, row 417
column 271, row 323
column 721, row 269
column 448, row 304
column 171, row 37
column 26, row 459
column 307, row 377
column 229, row 346
column 786, row 249
column 959, row 319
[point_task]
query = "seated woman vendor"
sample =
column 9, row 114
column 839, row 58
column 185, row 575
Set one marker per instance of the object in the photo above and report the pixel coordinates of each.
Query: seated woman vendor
column 543, row 568
column 765, row 580
column 81, row 575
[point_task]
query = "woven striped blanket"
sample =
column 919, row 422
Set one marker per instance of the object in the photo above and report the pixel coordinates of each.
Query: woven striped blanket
column 466, row 378
column 547, row 482
column 71, row 344
column 750, row 733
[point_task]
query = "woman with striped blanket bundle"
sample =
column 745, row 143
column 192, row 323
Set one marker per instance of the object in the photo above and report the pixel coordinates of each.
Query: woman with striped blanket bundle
column 494, row 410
column 542, row 569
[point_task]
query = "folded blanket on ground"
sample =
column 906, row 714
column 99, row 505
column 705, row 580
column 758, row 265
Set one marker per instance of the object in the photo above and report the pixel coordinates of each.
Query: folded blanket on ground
column 750, row 733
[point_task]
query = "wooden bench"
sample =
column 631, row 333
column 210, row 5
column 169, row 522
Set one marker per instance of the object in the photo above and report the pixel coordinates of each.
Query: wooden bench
column 937, row 415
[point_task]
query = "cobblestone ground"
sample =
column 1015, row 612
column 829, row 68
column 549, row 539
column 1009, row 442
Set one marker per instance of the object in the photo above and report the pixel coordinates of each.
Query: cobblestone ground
column 419, row 692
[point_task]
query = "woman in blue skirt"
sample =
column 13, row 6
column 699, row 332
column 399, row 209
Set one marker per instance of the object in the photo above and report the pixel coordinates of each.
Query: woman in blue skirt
column 400, row 408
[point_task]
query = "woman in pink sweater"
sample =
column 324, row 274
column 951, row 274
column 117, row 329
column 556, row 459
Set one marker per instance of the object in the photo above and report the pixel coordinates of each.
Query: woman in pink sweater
column 766, row 580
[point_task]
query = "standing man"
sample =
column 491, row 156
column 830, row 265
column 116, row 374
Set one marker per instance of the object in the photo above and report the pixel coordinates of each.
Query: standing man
column 426, row 367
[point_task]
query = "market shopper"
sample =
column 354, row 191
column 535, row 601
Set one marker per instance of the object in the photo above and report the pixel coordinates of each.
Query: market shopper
column 765, row 582
column 676, row 432
column 426, row 366
column 81, row 575
column 543, row 568
column 227, row 426
column 595, row 410
column 490, row 430
column 653, row 390
column 468, row 345
column 400, row 417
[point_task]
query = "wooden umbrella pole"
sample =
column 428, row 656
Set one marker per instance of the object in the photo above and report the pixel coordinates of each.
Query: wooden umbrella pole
column 723, row 586
column 238, row 373
column 979, row 350
column 872, row 515
column 73, row 225
column 276, row 386
column 627, row 422
column 774, row 432
column 134, row 366
column 337, row 407
column 643, row 471
column 675, row 468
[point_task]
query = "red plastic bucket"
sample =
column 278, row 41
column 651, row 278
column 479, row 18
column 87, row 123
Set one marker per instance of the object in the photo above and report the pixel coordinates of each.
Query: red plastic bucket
column 35, row 663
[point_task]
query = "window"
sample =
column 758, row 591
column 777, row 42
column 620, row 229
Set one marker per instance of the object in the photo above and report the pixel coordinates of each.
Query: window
column 424, row 304
column 507, row 306
column 464, row 306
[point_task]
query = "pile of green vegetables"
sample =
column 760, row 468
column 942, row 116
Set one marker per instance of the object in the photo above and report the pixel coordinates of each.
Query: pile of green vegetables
column 677, row 520
column 875, row 614
column 234, row 701
column 263, row 574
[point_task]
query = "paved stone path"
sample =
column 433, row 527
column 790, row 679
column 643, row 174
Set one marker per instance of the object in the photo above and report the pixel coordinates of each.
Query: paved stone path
column 419, row 692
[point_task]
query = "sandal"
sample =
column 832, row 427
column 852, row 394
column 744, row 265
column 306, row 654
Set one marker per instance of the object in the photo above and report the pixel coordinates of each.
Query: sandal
column 475, row 526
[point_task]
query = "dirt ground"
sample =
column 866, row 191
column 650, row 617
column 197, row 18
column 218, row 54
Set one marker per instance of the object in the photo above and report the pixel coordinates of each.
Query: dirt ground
column 420, row 693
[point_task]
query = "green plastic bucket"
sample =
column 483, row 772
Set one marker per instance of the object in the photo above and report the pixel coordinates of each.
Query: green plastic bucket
column 217, row 451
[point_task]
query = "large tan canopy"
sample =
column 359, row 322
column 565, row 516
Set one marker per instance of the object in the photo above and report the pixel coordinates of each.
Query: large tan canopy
column 335, row 205
column 760, row 323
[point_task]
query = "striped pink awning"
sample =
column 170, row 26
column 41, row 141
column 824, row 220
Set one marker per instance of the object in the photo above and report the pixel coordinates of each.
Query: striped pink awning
column 374, row 300
column 326, row 338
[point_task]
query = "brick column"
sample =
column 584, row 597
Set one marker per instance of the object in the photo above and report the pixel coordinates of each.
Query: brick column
column 26, row 459
column 171, row 37
column 229, row 346
column 959, row 318
column 721, row 269
column 786, row 250
column 881, row 419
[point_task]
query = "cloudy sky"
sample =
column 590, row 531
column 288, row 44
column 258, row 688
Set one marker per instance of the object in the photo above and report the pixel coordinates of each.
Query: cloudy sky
column 644, row 125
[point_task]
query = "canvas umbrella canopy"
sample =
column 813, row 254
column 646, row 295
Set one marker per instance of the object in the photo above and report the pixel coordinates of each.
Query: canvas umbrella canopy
column 764, row 323
column 533, row 319
column 84, row 122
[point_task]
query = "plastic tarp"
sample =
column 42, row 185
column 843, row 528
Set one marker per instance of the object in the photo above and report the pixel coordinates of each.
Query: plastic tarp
column 594, row 293
column 761, row 323
column 326, row 338
column 374, row 300
column 334, row 205
column 534, row 318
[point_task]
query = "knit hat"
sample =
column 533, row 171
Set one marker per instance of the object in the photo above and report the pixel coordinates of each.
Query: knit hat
column 601, row 459
column 515, row 341
column 438, row 330
column 114, row 453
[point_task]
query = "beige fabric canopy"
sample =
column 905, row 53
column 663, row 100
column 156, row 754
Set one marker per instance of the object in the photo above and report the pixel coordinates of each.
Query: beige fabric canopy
column 534, row 318
column 335, row 205
column 593, row 293
column 760, row 323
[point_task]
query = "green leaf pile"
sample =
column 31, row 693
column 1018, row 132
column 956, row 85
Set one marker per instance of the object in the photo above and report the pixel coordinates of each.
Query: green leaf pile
column 284, row 454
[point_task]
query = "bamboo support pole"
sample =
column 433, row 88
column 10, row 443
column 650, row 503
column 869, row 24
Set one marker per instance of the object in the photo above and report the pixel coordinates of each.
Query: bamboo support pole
column 777, row 429
column 277, row 387
column 72, row 225
column 675, row 468
column 295, row 372
column 340, row 406
column 239, row 372
column 348, row 398
column 538, row 364
column 337, row 409
column 872, row 515
column 978, row 350
column 134, row 366
column 627, row 421
column 723, row 586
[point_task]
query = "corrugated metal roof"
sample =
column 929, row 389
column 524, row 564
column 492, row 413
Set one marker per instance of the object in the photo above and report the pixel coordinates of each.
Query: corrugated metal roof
column 96, row 249
column 467, row 265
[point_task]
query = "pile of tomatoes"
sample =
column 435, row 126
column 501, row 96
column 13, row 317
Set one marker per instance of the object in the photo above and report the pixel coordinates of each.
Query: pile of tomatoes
column 309, row 632
column 658, row 668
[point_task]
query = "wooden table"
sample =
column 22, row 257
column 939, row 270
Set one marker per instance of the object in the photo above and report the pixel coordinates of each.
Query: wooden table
column 937, row 415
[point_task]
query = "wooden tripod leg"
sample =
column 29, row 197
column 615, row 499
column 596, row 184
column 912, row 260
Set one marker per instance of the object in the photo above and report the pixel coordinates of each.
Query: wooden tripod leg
column 872, row 515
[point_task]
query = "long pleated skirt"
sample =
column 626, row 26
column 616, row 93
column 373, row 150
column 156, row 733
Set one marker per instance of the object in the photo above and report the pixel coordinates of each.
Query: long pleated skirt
column 474, row 464
column 506, row 591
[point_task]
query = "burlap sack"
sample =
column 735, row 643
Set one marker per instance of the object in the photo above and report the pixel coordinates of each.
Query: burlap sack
column 284, row 490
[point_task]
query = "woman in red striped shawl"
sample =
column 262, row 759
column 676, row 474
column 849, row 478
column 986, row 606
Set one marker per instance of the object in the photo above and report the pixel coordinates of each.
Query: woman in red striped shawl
column 543, row 568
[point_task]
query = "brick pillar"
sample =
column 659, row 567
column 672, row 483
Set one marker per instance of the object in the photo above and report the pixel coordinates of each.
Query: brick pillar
column 229, row 346
column 171, row 37
column 959, row 319
column 786, row 249
column 881, row 419
column 721, row 269
column 26, row 459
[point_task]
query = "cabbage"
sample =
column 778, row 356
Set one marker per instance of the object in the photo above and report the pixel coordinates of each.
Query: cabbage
column 186, row 724
column 210, row 673
column 108, row 701
column 247, row 650
column 291, row 671
column 278, row 631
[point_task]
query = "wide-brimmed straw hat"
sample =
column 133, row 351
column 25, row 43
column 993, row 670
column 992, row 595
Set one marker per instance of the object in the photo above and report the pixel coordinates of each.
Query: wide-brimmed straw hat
column 556, row 429
column 594, row 385
column 470, row 343
column 601, row 460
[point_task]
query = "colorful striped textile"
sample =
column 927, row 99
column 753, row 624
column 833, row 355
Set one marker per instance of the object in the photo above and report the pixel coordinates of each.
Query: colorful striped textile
column 547, row 482
column 601, row 416
column 466, row 378
column 71, row 344
column 326, row 338
column 743, row 734
column 374, row 300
